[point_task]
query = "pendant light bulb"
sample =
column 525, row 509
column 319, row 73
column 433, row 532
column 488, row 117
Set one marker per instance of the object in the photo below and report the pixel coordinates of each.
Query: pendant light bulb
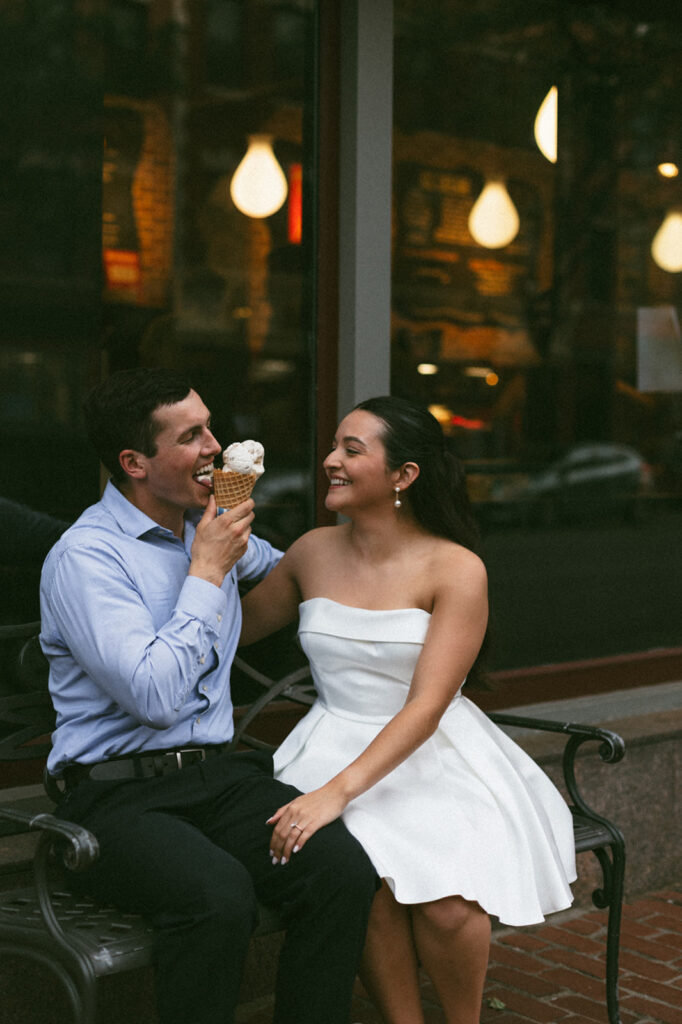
column 259, row 187
column 666, row 247
column 545, row 127
column 494, row 221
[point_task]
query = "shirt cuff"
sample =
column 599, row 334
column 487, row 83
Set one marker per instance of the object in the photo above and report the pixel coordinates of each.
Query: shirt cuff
column 203, row 600
column 258, row 559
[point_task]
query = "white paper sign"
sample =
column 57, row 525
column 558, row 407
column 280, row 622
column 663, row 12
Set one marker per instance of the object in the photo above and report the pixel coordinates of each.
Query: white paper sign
column 659, row 349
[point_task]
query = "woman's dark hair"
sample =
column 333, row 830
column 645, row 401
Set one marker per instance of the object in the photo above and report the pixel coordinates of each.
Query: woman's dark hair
column 438, row 497
column 119, row 412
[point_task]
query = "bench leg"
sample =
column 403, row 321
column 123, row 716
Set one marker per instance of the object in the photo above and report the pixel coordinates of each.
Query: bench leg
column 611, row 896
column 72, row 965
column 81, row 996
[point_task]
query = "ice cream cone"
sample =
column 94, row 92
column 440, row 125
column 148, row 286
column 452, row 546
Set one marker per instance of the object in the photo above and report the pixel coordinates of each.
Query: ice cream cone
column 231, row 488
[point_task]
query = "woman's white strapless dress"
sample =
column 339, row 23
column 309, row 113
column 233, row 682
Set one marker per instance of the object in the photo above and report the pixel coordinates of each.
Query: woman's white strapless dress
column 469, row 813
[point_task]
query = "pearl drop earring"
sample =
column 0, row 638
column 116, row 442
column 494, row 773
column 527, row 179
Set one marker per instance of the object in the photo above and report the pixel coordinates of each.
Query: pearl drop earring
column 397, row 503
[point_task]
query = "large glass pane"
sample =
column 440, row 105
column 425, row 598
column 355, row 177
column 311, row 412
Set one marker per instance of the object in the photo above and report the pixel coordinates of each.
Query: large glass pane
column 124, row 124
column 531, row 311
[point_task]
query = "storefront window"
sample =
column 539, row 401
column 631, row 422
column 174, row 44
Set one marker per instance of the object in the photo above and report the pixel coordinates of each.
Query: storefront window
column 125, row 243
column 537, row 288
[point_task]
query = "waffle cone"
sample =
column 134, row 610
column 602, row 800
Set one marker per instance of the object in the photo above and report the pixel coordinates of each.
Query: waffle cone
column 231, row 488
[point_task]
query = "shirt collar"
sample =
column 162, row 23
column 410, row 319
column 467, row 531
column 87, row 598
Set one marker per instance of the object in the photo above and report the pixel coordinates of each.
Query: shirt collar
column 131, row 519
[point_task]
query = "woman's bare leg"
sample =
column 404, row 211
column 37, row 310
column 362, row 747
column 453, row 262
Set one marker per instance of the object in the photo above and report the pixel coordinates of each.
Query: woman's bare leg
column 452, row 939
column 389, row 969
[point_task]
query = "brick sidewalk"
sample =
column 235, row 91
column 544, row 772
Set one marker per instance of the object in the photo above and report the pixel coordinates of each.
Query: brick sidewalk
column 553, row 973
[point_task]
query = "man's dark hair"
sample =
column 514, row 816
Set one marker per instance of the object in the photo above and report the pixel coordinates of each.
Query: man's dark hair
column 119, row 412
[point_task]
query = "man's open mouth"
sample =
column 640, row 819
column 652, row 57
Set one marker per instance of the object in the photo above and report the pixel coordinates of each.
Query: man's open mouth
column 204, row 475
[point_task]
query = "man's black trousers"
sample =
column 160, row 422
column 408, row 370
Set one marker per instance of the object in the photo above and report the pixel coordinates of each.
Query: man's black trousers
column 189, row 850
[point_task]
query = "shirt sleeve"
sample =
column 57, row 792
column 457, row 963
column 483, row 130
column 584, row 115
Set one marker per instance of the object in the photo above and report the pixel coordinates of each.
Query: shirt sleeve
column 94, row 609
column 259, row 559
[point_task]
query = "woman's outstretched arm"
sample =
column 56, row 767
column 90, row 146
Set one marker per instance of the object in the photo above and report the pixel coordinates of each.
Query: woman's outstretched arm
column 271, row 604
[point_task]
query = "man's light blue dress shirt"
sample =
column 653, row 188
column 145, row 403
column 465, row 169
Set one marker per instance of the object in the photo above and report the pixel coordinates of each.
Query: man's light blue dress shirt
column 140, row 653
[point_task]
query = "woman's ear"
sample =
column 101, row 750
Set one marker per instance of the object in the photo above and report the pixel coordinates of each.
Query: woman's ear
column 132, row 463
column 407, row 474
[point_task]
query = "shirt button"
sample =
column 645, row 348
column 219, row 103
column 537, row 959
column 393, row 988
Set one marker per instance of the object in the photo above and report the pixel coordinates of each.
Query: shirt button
column 197, row 721
column 220, row 618
column 202, row 659
column 204, row 688
column 215, row 646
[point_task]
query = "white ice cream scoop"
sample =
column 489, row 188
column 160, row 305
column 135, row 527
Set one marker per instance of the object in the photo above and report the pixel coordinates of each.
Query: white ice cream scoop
column 244, row 457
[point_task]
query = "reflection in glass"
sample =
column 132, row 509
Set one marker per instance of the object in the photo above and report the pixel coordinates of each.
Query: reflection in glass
column 666, row 247
column 127, row 248
column 259, row 186
column 494, row 220
column 574, row 469
column 545, row 127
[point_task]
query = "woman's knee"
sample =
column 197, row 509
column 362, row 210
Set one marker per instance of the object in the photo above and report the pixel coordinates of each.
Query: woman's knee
column 452, row 913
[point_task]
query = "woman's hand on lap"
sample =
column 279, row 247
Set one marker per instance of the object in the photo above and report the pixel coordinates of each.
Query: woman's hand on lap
column 296, row 822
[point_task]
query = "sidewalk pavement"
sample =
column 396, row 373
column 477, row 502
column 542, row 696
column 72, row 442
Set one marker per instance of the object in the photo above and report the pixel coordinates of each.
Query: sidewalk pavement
column 554, row 972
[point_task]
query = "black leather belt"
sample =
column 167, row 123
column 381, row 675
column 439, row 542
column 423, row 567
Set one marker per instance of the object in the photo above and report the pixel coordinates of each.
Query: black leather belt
column 141, row 766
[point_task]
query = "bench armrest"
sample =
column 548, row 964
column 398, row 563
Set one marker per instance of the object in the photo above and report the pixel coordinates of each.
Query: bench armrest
column 77, row 848
column 611, row 750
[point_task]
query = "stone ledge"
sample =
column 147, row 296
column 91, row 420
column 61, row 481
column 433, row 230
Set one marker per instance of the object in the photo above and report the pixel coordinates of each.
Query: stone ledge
column 639, row 715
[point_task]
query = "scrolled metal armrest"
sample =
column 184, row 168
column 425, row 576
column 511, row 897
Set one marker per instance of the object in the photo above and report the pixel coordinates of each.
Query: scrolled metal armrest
column 611, row 745
column 611, row 749
column 81, row 848
column 78, row 850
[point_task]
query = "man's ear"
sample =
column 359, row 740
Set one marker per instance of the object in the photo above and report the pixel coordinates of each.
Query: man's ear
column 132, row 463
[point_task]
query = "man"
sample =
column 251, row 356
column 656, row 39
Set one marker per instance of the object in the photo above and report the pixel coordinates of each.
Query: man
column 140, row 622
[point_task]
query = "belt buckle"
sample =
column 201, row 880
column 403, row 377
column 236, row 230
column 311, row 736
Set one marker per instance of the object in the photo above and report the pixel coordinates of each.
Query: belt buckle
column 199, row 754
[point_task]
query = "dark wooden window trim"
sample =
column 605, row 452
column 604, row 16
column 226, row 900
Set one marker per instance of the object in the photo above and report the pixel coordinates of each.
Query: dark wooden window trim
column 327, row 215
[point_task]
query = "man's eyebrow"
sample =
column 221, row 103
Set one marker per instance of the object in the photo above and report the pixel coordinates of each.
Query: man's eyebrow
column 192, row 427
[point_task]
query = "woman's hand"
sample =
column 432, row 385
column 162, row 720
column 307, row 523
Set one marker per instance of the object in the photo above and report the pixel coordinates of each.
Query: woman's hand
column 297, row 821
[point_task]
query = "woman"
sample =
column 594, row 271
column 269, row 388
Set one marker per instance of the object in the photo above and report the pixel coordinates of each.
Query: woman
column 457, row 820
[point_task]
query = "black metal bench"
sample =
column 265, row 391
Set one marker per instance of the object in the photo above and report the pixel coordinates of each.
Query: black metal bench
column 81, row 941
